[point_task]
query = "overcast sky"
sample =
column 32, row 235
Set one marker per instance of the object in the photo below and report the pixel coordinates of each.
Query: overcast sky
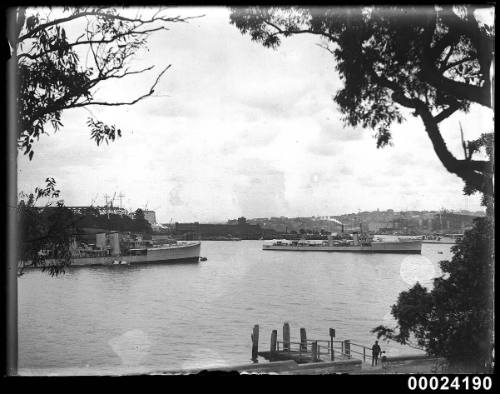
column 237, row 129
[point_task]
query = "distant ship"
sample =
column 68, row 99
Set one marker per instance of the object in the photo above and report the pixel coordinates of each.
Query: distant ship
column 436, row 239
column 359, row 244
column 108, row 251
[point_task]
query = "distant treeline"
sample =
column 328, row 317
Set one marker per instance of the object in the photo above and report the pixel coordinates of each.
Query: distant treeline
column 91, row 218
column 47, row 219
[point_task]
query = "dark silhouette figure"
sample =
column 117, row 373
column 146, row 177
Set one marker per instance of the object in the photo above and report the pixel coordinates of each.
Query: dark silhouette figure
column 375, row 353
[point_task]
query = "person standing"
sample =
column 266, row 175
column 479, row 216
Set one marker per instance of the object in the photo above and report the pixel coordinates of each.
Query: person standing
column 375, row 353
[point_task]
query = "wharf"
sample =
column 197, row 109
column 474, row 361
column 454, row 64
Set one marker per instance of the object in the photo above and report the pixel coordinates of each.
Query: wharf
column 316, row 357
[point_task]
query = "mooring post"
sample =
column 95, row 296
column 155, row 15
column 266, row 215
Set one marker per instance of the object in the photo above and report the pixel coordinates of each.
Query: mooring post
column 255, row 343
column 314, row 350
column 364, row 354
column 286, row 337
column 303, row 339
column 332, row 335
column 347, row 348
column 274, row 337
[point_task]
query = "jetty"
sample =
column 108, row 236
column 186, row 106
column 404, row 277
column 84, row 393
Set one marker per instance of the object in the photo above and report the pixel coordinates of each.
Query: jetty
column 319, row 357
column 330, row 356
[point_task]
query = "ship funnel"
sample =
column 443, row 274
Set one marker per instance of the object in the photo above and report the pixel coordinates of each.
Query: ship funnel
column 100, row 240
column 355, row 237
column 115, row 244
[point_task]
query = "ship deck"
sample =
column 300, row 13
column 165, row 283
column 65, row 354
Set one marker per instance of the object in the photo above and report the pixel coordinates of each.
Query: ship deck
column 410, row 247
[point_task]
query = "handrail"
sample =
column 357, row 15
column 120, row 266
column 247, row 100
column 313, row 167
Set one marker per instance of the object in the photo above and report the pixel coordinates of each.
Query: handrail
column 336, row 345
column 366, row 355
column 362, row 346
column 315, row 340
column 301, row 343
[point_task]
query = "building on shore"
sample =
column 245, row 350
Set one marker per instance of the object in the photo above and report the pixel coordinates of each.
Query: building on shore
column 234, row 229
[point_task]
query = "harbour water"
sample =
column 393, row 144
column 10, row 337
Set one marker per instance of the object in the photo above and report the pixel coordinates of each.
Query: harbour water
column 158, row 317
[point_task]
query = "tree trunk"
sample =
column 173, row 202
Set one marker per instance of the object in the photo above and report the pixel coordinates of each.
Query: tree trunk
column 465, row 169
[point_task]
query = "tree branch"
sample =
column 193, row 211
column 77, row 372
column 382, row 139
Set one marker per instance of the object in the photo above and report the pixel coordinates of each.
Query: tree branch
column 474, row 173
column 465, row 169
column 445, row 60
column 433, row 76
column 101, row 14
column 446, row 112
column 303, row 31
column 104, row 103
column 461, row 90
column 457, row 63
column 90, row 41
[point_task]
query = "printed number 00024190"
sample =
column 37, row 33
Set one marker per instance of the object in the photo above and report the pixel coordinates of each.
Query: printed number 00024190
column 450, row 383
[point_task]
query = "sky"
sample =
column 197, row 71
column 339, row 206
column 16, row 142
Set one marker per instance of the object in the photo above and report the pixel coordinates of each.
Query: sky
column 236, row 129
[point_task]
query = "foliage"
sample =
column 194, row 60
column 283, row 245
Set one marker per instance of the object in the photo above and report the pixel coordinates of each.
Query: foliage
column 102, row 132
column 433, row 60
column 44, row 231
column 141, row 221
column 53, row 75
column 455, row 318
column 65, row 54
column 114, row 222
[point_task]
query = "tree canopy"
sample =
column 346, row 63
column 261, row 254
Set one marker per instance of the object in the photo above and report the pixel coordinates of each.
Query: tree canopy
column 48, row 230
column 42, row 231
column 64, row 54
column 455, row 318
column 433, row 60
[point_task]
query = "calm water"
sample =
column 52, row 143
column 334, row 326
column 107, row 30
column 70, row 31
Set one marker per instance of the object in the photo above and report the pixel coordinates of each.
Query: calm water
column 119, row 319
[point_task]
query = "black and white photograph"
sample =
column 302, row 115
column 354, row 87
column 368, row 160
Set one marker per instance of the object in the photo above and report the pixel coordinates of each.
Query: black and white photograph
column 268, row 190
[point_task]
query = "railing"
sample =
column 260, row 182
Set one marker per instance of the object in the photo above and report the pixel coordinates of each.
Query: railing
column 333, row 348
column 307, row 349
column 365, row 351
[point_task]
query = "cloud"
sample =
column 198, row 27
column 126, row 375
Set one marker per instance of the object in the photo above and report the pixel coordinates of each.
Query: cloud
column 238, row 129
column 260, row 186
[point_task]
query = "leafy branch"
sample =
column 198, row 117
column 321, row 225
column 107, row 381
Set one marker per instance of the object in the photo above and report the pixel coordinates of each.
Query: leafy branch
column 53, row 78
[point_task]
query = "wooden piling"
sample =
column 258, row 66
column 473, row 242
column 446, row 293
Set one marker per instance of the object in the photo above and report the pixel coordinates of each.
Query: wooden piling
column 332, row 335
column 286, row 337
column 347, row 348
column 314, row 350
column 255, row 343
column 303, row 340
column 274, row 338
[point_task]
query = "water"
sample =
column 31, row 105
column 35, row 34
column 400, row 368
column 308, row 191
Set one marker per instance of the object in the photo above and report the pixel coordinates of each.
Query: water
column 151, row 318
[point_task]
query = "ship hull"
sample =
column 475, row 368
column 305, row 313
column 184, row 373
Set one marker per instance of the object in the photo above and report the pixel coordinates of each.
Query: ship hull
column 382, row 247
column 428, row 241
column 187, row 253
